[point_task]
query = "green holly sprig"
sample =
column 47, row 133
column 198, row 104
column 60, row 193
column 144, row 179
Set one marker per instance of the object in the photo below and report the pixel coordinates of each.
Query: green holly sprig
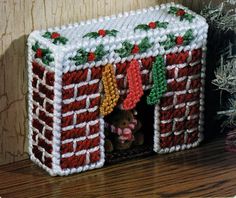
column 181, row 13
column 84, row 56
column 128, row 48
column 42, row 53
column 173, row 40
column 55, row 37
column 101, row 33
column 151, row 25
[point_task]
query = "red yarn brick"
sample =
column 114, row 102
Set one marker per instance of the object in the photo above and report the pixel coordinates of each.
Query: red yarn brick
column 48, row 93
column 196, row 55
column 166, row 101
column 177, row 86
column 74, row 106
column 73, row 133
column 120, row 83
column 74, row 77
column 34, row 109
column 196, row 83
column 85, row 117
column 50, row 78
column 166, row 127
column 166, row 142
column 180, row 125
column 34, row 82
column 67, row 93
column 38, row 70
column 179, row 112
column 189, row 97
column 42, row 143
column 34, row 135
column 37, row 153
column 193, row 123
column 67, row 148
column 87, row 144
column 38, row 98
column 36, row 124
column 192, row 137
column 178, row 139
column 122, row 67
column 73, row 161
column 94, row 128
column 94, row 102
column 194, row 109
column 48, row 161
column 95, row 156
column 166, row 115
column 96, row 73
column 49, row 107
column 170, row 73
column 48, row 134
column 147, row 63
column 67, row 120
column 88, row 89
column 145, row 79
column 46, row 118
column 177, row 58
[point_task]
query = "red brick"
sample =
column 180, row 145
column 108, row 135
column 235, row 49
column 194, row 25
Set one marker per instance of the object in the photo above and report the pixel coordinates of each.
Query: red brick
column 193, row 123
column 196, row 83
column 74, row 106
column 96, row 73
column 85, row 117
column 166, row 115
column 34, row 82
column 177, row 58
column 94, row 102
column 192, row 137
column 189, row 70
column 189, row 97
column 95, row 156
column 120, row 83
column 194, row 109
column 67, row 120
column 46, row 118
column 88, row 89
column 42, row 143
column 67, row 93
column 67, row 148
column 177, row 86
column 166, row 101
column 196, row 55
column 49, row 107
column 145, row 79
column 38, row 70
column 94, row 128
column 147, row 63
column 170, row 73
column 166, row 127
column 73, row 161
column 48, row 161
column 48, row 93
column 50, row 78
column 178, row 139
column 121, row 68
column 34, row 109
column 48, row 134
column 73, row 133
column 34, row 135
column 185, row 71
column 166, row 142
column 74, row 77
column 37, row 153
column 179, row 113
column 87, row 144
column 180, row 126
column 36, row 124
column 38, row 98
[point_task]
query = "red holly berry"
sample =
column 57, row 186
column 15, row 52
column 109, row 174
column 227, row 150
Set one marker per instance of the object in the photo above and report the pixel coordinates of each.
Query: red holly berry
column 152, row 25
column 102, row 32
column 179, row 40
column 39, row 53
column 91, row 56
column 55, row 35
column 135, row 49
column 180, row 12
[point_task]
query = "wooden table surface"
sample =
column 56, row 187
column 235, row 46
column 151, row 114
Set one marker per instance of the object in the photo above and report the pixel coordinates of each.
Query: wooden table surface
column 205, row 171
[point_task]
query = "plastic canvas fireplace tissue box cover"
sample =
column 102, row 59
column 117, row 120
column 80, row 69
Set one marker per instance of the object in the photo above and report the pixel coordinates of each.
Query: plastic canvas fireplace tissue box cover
column 79, row 73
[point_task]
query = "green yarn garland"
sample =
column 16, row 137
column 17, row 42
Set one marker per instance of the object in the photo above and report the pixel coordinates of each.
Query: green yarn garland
column 159, row 81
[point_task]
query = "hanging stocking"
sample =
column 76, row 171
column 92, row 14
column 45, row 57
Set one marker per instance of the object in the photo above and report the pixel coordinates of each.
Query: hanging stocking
column 159, row 81
column 110, row 89
column 135, row 86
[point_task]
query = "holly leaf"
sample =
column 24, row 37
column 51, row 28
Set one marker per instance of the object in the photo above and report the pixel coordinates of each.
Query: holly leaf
column 162, row 24
column 173, row 10
column 111, row 32
column 100, row 52
column 125, row 50
column 169, row 42
column 81, row 57
column 188, row 37
column 142, row 27
column 91, row 35
column 144, row 45
column 47, row 35
column 188, row 17
column 35, row 46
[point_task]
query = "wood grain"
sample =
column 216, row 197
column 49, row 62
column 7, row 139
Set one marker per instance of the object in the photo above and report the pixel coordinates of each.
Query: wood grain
column 17, row 19
column 206, row 171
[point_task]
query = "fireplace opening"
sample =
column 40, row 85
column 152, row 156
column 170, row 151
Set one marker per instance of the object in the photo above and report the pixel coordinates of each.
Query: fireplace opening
column 125, row 145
